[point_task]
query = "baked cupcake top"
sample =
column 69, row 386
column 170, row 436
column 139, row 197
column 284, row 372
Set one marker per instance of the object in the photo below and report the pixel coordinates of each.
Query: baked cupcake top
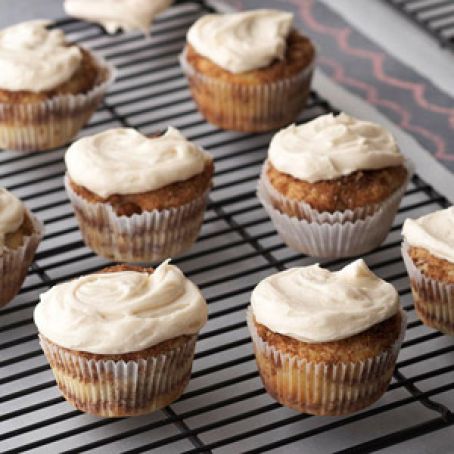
column 117, row 14
column 433, row 232
column 123, row 161
column 33, row 58
column 313, row 305
column 241, row 42
column 12, row 214
column 121, row 312
column 332, row 146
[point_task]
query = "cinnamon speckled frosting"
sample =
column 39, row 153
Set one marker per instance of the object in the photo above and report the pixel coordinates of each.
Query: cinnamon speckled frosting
column 118, row 14
column 121, row 312
column 330, row 146
column 433, row 232
column 244, row 41
column 312, row 304
column 11, row 215
column 124, row 161
column 34, row 58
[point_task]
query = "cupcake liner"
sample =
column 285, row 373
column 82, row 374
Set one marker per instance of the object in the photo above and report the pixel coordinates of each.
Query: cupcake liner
column 147, row 237
column 249, row 108
column 14, row 263
column 52, row 123
column 117, row 388
column 323, row 388
column 335, row 235
column 433, row 299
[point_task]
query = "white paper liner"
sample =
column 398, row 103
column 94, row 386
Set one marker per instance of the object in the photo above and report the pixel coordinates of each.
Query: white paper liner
column 249, row 108
column 324, row 388
column 434, row 300
column 147, row 237
column 335, row 235
column 117, row 388
column 14, row 263
column 54, row 122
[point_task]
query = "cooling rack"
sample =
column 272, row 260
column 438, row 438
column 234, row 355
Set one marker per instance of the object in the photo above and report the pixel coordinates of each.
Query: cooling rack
column 435, row 17
column 225, row 408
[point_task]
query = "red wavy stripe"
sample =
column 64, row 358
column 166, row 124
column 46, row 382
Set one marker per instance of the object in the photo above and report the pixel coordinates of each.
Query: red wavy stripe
column 377, row 59
column 341, row 36
column 373, row 97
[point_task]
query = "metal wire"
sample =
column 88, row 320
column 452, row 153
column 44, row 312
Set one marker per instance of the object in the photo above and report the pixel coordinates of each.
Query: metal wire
column 435, row 17
column 225, row 407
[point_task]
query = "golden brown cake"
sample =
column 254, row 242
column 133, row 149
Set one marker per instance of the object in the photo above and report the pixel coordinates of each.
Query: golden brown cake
column 332, row 186
column 137, row 198
column 302, row 390
column 343, row 333
column 44, row 103
column 428, row 252
column 356, row 190
column 75, row 388
column 82, row 81
column 147, row 369
column 173, row 195
column 299, row 54
column 431, row 266
column 258, row 93
column 16, row 239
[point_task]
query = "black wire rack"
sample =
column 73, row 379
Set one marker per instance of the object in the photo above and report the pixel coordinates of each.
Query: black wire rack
column 435, row 17
column 225, row 409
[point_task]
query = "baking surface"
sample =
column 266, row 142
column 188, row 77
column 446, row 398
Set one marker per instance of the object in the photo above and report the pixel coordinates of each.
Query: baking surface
column 225, row 408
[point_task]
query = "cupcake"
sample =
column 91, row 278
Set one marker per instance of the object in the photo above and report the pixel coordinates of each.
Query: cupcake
column 249, row 71
column 428, row 252
column 332, row 186
column 115, row 15
column 20, row 234
column 49, row 88
column 121, row 342
column 138, row 199
column 326, row 342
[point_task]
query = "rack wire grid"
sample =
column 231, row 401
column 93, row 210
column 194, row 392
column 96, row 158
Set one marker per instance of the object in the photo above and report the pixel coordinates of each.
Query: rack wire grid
column 225, row 408
column 435, row 17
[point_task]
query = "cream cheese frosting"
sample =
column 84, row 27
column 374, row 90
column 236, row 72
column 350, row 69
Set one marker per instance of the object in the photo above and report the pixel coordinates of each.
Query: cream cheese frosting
column 11, row 215
column 241, row 42
column 123, row 161
column 313, row 305
column 114, row 15
column 433, row 232
column 332, row 146
column 121, row 312
column 33, row 58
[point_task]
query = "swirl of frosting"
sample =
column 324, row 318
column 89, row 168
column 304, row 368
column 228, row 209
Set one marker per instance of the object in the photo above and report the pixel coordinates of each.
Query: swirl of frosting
column 118, row 14
column 312, row 304
column 332, row 146
column 123, row 161
column 121, row 312
column 34, row 58
column 241, row 42
column 433, row 232
column 11, row 215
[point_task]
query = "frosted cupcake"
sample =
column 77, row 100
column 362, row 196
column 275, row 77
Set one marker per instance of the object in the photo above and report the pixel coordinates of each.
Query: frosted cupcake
column 49, row 88
column 121, row 342
column 20, row 234
column 248, row 71
column 428, row 252
column 332, row 186
column 138, row 199
column 116, row 15
column 326, row 343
